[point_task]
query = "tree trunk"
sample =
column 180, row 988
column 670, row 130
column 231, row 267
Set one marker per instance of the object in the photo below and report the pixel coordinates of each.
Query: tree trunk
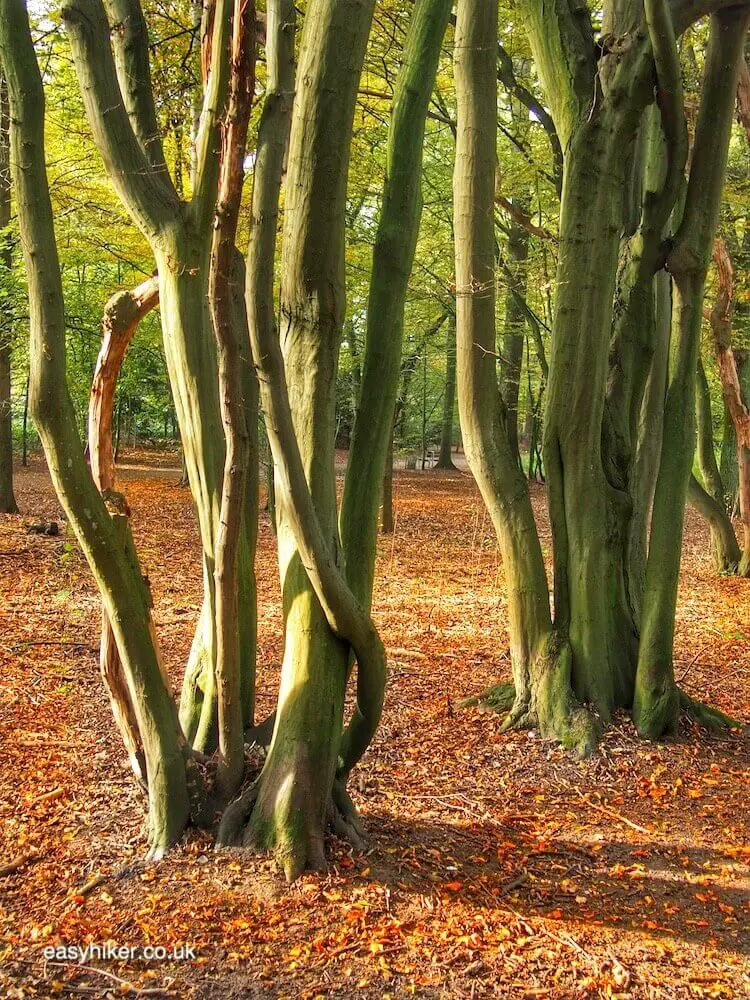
column 648, row 438
column 119, row 106
column 656, row 696
column 8, row 503
column 515, row 318
column 591, row 593
column 119, row 581
column 25, row 428
column 290, row 803
column 735, row 394
column 709, row 499
column 226, row 282
column 393, row 256
column 445, row 460
column 724, row 548
column 705, row 436
column 541, row 660
column 122, row 315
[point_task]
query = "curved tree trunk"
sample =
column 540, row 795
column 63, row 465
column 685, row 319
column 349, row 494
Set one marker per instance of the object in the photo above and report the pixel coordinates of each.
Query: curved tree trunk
column 122, row 314
column 393, row 256
column 116, row 88
column 118, row 578
column 292, row 795
column 541, row 661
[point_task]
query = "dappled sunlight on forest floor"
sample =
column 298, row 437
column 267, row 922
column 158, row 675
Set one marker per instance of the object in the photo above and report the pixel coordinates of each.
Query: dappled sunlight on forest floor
column 499, row 864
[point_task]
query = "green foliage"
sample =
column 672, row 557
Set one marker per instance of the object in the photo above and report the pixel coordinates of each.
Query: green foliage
column 102, row 252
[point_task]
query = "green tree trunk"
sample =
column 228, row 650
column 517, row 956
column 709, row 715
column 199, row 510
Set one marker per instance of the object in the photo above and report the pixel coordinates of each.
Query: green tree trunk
column 293, row 794
column 648, row 439
column 540, row 658
column 656, row 697
column 117, row 576
column 705, row 436
column 393, row 256
column 513, row 330
column 8, row 503
column 117, row 95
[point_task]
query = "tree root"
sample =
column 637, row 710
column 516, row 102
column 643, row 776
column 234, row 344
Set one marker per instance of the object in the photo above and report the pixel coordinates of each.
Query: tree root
column 233, row 822
column 545, row 699
column 297, row 847
column 343, row 818
column 656, row 710
column 705, row 715
column 498, row 697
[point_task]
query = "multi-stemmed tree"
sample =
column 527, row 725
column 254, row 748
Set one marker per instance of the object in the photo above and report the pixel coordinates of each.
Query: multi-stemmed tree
column 619, row 421
column 326, row 575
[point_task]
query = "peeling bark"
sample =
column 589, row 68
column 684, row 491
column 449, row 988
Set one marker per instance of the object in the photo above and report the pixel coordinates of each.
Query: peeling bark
column 122, row 314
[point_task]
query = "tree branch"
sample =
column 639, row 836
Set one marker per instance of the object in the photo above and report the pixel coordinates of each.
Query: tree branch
column 669, row 99
column 207, row 141
column 130, row 45
column 149, row 201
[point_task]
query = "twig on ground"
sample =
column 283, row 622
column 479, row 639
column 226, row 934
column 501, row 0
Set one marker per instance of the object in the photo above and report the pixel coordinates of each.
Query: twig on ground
column 17, row 863
column 607, row 811
column 139, row 991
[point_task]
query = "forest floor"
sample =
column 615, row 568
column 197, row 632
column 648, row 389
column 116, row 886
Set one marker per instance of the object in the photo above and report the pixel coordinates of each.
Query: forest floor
column 499, row 864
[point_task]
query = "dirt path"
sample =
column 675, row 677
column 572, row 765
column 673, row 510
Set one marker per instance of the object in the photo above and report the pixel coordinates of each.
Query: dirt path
column 500, row 866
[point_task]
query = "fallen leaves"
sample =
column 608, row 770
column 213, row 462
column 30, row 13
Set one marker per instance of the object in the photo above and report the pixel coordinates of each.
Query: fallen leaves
column 499, row 864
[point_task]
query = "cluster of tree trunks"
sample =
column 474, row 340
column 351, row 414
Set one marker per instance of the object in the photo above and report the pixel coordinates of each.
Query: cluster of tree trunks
column 619, row 421
column 620, row 415
column 212, row 325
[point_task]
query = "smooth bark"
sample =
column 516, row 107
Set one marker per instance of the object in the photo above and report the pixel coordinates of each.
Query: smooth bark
column 393, row 256
column 541, row 661
column 656, row 697
column 8, row 503
column 119, row 581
